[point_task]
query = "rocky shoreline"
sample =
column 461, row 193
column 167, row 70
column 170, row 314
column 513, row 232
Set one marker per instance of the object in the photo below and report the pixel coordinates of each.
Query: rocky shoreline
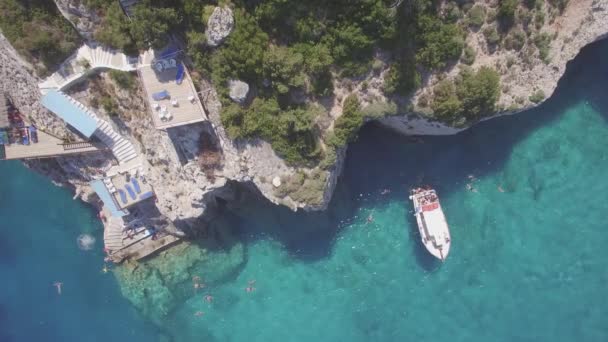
column 188, row 195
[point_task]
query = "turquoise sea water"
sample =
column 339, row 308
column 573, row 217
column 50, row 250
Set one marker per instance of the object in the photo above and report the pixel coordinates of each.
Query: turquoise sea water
column 526, row 264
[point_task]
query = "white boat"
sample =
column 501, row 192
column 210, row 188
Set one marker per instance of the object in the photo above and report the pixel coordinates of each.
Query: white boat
column 432, row 225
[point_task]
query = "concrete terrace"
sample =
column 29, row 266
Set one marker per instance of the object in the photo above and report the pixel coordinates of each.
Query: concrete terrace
column 130, row 192
column 188, row 109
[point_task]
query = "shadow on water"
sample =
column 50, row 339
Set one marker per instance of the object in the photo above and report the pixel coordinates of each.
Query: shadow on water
column 382, row 159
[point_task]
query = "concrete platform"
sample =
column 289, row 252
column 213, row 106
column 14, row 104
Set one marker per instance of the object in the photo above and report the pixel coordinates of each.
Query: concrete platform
column 186, row 111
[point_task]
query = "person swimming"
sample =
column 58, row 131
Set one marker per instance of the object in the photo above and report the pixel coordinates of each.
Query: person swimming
column 199, row 313
column 385, row 191
column 58, row 285
column 250, row 289
column 105, row 269
column 208, row 298
column 500, row 188
column 370, row 219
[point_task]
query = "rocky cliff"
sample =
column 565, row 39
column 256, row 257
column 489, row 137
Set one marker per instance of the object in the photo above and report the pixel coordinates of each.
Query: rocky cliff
column 186, row 191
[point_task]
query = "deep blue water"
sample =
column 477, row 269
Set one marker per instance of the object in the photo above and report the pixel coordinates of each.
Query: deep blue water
column 526, row 264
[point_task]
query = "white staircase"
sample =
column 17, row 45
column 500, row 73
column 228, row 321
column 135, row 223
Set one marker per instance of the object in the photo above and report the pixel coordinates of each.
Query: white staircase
column 97, row 56
column 122, row 148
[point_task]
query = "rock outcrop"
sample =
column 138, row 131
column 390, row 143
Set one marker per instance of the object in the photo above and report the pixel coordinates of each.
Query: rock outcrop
column 81, row 17
column 219, row 26
column 238, row 91
column 186, row 191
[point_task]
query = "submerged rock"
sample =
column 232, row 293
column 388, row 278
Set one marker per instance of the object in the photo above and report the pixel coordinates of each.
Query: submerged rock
column 219, row 25
column 238, row 91
column 159, row 285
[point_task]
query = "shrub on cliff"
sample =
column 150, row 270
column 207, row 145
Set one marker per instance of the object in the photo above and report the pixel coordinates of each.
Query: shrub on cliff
column 491, row 35
column 471, row 96
column 506, row 11
column 148, row 26
column 477, row 16
column 38, row 32
column 537, row 96
column 124, row 80
column 290, row 131
column 439, row 43
column 347, row 125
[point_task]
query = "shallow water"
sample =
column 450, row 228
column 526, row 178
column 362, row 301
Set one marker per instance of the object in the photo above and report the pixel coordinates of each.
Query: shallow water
column 526, row 264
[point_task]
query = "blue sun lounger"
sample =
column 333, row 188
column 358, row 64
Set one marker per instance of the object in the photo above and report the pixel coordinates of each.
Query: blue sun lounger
column 179, row 77
column 130, row 191
column 161, row 95
column 146, row 195
column 123, row 196
column 136, row 185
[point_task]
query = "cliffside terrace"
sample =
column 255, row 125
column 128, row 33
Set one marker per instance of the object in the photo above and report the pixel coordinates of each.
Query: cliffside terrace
column 170, row 93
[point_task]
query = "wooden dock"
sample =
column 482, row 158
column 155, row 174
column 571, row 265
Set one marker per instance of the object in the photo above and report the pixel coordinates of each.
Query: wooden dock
column 137, row 244
column 48, row 146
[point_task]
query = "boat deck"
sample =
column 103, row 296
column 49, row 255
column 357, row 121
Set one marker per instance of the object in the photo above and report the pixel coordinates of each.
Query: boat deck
column 433, row 227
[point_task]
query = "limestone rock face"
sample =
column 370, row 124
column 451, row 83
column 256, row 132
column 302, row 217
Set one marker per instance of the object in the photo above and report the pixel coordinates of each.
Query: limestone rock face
column 219, row 25
column 238, row 91
column 82, row 18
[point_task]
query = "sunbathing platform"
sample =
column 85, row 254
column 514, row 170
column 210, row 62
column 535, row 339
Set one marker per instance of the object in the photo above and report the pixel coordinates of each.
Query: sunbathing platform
column 48, row 146
column 129, row 192
column 132, row 241
column 169, row 90
column 122, row 191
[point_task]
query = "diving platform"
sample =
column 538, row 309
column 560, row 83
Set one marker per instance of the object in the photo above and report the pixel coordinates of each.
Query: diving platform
column 133, row 241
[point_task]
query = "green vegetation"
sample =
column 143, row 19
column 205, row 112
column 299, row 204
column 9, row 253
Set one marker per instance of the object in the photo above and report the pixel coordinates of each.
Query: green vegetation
column 291, row 52
column 468, row 57
column 537, row 97
column 506, row 11
column 491, row 35
column 149, row 26
column 290, row 131
column 467, row 99
column 124, row 80
column 477, row 16
column 38, row 31
column 304, row 188
column 560, row 4
column 515, row 40
column 438, row 42
column 543, row 44
column 348, row 124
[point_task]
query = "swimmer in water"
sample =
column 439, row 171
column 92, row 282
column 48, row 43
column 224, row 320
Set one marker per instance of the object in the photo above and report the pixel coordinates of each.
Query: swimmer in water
column 199, row 313
column 385, row 191
column 208, row 298
column 105, row 269
column 370, row 218
column 500, row 189
column 471, row 188
column 250, row 289
column 58, row 285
